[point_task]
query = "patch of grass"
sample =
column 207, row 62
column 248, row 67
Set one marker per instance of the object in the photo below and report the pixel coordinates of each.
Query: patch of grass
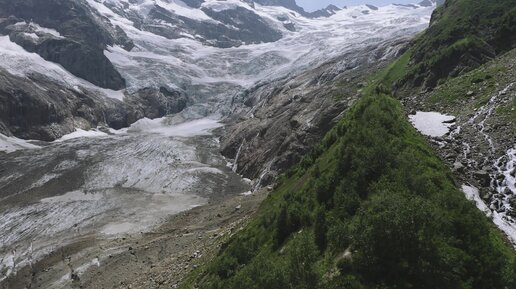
column 462, row 35
column 508, row 112
column 394, row 72
column 480, row 82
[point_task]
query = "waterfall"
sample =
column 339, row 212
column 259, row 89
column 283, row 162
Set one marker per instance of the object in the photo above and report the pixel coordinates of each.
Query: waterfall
column 235, row 164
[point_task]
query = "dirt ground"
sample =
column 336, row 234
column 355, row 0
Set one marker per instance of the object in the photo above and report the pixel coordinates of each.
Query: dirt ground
column 158, row 259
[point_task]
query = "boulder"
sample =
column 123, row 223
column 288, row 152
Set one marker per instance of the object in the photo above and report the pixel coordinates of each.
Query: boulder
column 458, row 167
column 483, row 177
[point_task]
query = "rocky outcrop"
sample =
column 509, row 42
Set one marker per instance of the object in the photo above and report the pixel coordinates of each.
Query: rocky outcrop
column 231, row 27
column 39, row 108
column 36, row 107
column 326, row 12
column 84, row 36
column 290, row 4
column 154, row 103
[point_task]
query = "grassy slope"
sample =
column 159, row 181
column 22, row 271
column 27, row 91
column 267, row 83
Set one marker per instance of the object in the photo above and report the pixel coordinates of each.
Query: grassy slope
column 463, row 34
column 370, row 207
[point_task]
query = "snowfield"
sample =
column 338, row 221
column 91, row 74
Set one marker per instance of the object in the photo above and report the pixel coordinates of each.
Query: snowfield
column 432, row 124
column 211, row 76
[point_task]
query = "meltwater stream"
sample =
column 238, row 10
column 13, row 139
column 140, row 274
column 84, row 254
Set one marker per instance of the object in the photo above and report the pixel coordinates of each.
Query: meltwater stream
column 106, row 185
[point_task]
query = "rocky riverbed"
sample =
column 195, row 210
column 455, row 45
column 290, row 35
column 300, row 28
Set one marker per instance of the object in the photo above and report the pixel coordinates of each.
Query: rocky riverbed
column 477, row 135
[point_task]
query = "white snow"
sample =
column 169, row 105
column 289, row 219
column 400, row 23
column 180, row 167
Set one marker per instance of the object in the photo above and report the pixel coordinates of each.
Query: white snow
column 45, row 30
column 80, row 133
column 180, row 8
column 20, row 62
column 12, row 144
column 218, row 6
column 500, row 220
column 473, row 195
column 7, row 265
column 187, row 129
column 213, row 75
column 248, row 193
column 432, row 124
column 38, row 28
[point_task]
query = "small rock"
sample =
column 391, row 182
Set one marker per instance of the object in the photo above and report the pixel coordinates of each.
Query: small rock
column 238, row 207
column 512, row 202
column 459, row 167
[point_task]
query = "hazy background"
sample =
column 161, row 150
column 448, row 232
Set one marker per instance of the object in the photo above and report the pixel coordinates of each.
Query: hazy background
column 311, row 5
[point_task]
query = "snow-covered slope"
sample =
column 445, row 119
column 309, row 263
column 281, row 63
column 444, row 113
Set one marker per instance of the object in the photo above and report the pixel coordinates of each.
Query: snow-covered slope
column 170, row 54
column 211, row 75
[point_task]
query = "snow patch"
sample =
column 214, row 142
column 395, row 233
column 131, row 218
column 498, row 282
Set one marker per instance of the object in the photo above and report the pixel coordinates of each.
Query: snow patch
column 473, row 195
column 180, row 8
column 12, row 144
column 432, row 124
column 80, row 133
column 197, row 127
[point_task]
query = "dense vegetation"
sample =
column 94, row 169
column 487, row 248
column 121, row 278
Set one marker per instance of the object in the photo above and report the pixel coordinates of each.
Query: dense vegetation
column 370, row 207
column 463, row 34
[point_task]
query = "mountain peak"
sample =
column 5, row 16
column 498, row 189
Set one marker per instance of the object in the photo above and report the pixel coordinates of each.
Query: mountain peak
column 428, row 3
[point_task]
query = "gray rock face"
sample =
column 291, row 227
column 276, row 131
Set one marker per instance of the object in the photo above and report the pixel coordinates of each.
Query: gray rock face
column 290, row 4
column 155, row 103
column 193, row 3
column 85, row 36
column 231, row 27
column 38, row 108
column 326, row 12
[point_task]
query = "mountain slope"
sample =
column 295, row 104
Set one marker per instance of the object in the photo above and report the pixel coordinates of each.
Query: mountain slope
column 193, row 57
column 462, row 35
column 78, row 46
column 370, row 207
